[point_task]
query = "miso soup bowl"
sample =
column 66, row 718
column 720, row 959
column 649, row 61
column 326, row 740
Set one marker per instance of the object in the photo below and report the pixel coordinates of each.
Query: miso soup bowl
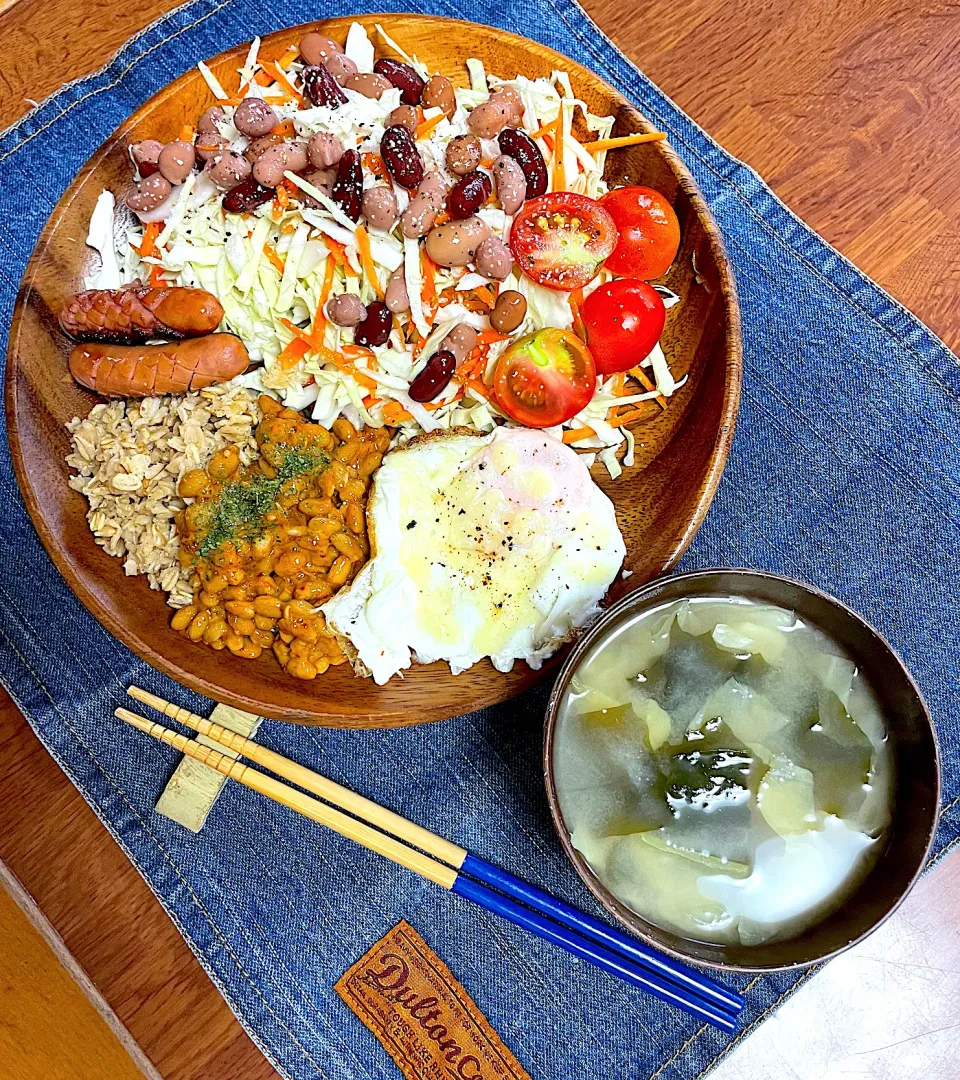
column 915, row 760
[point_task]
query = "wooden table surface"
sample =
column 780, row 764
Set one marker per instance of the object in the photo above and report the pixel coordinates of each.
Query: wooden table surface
column 850, row 112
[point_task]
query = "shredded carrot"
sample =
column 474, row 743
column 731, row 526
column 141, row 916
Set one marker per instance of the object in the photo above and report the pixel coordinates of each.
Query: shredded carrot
column 186, row 133
column 442, row 218
column 262, row 78
column 559, row 170
column 576, row 434
column 357, row 352
column 427, row 127
column 286, row 129
column 366, row 259
column 274, row 258
column 641, row 376
column 394, row 412
column 374, row 164
column 369, row 401
column 429, row 268
column 319, row 319
column 148, row 246
column 281, row 80
column 288, row 57
column 337, row 250
column 281, row 199
column 619, row 381
column 487, row 162
column 544, row 129
column 293, row 353
column 488, row 337
column 156, row 275
column 624, row 140
column 329, row 355
column 288, row 228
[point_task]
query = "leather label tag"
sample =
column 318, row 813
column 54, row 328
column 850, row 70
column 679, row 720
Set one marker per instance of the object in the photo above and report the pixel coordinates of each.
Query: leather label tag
column 426, row 1021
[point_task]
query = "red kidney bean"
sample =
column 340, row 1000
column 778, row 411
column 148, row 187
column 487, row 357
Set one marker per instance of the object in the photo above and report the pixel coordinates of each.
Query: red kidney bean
column 254, row 117
column 376, row 327
column 435, row 377
column 149, row 193
column 468, row 195
column 526, row 153
column 324, row 150
column 322, row 88
column 146, row 154
column 403, row 77
column 176, row 161
column 227, row 170
column 246, row 196
column 210, row 119
column 348, row 186
column 401, row 157
column 340, row 67
column 317, row 48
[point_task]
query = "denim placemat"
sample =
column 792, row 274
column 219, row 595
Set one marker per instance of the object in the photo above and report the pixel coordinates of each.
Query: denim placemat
column 844, row 472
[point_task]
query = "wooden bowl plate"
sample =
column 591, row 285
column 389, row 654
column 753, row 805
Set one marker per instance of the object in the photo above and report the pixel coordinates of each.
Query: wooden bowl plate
column 660, row 502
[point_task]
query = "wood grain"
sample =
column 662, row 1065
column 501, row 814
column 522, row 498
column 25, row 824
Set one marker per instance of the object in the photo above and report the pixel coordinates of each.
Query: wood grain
column 809, row 80
column 37, row 992
column 660, row 501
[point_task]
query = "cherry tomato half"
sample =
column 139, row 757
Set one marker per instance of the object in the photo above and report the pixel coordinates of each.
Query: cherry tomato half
column 624, row 320
column 561, row 239
column 545, row 378
column 649, row 232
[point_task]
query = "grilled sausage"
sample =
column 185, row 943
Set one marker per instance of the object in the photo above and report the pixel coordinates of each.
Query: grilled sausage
column 149, row 370
column 131, row 315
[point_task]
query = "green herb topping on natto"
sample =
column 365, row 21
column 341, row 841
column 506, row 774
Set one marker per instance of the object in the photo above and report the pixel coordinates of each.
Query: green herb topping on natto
column 239, row 512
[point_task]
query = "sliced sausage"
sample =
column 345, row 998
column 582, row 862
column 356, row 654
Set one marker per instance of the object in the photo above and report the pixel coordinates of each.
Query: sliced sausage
column 132, row 315
column 149, row 370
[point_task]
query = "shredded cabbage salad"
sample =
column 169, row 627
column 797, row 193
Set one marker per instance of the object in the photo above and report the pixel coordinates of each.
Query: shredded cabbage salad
column 275, row 269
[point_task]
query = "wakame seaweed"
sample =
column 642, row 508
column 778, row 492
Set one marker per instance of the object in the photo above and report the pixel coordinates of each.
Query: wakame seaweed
column 239, row 512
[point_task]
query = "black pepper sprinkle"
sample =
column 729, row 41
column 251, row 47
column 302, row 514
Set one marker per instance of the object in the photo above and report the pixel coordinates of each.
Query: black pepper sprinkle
column 411, row 524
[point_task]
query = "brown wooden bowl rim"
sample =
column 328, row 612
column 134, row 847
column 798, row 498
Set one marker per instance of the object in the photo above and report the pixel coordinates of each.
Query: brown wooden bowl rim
column 624, row 915
column 733, row 361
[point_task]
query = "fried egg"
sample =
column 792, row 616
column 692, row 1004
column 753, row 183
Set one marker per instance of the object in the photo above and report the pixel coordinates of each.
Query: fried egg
column 496, row 546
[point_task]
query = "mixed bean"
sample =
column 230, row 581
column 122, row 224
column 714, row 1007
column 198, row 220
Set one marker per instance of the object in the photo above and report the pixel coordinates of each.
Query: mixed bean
column 265, row 564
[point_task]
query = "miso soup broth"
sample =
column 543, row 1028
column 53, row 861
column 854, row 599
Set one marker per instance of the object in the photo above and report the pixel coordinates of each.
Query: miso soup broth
column 724, row 769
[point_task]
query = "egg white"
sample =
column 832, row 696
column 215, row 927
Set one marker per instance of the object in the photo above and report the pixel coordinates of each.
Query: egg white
column 494, row 546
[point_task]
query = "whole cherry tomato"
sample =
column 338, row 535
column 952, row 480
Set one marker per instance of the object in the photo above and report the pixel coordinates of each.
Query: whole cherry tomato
column 623, row 320
column 544, row 378
column 561, row 239
column 649, row 232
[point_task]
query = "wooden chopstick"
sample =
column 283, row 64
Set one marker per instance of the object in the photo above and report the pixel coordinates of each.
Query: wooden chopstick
column 690, row 981
column 432, row 870
column 327, row 789
column 296, row 800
